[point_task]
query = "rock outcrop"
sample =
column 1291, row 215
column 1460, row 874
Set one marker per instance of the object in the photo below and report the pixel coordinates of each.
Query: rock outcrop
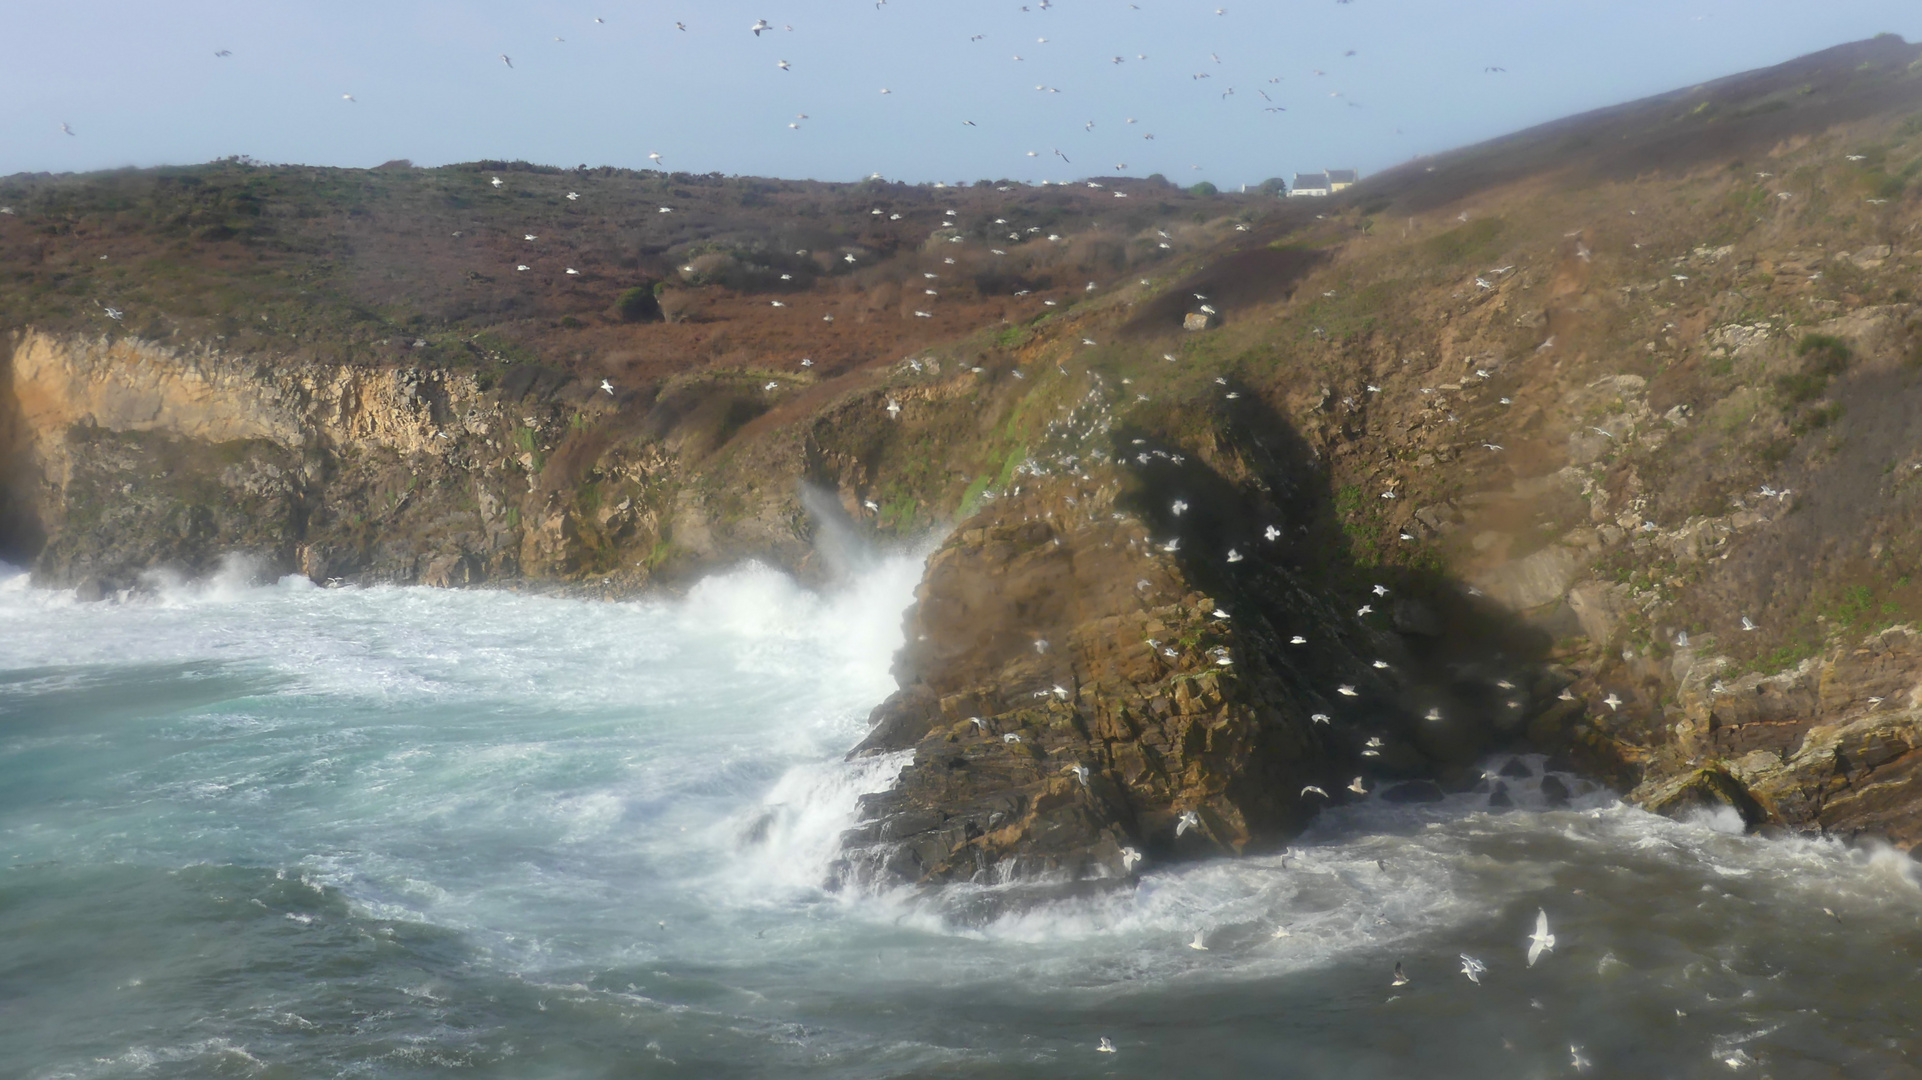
column 1154, row 649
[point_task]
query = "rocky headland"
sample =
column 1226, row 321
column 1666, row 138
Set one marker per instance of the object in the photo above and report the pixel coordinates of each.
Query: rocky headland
column 1600, row 439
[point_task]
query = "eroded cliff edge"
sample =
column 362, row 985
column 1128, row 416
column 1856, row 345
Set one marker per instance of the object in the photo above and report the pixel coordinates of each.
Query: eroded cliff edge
column 129, row 457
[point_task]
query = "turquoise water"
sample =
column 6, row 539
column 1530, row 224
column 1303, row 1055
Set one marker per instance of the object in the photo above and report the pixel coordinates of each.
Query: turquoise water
column 280, row 831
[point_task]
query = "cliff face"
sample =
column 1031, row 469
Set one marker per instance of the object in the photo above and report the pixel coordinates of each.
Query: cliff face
column 134, row 457
column 130, row 457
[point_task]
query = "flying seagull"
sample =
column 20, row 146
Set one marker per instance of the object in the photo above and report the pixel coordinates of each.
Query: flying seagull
column 506, row 60
column 607, row 386
column 1189, row 820
column 1541, row 940
column 1198, row 943
column 1401, row 977
column 1473, row 968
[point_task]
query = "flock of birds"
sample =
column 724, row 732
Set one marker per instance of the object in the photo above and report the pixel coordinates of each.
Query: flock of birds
column 1027, row 54
column 1539, row 942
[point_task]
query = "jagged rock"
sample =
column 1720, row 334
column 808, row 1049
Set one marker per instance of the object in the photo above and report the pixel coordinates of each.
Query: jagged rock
column 1699, row 791
column 1054, row 633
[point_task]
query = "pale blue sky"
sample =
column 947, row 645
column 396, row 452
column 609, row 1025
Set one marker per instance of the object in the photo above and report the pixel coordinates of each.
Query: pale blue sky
column 140, row 85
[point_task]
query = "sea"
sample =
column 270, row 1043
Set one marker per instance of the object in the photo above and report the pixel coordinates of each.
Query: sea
column 263, row 829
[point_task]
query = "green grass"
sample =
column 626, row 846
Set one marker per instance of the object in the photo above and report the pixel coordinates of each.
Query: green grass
column 1475, row 240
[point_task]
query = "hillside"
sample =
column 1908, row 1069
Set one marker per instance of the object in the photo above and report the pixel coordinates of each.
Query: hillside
column 1593, row 438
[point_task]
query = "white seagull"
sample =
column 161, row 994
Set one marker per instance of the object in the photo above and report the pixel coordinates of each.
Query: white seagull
column 607, row 387
column 1612, row 701
column 1198, row 944
column 1189, row 820
column 1473, row 968
column 1541, row 940
column 1106, row 1046
column 1313, row 790
column 1345, row 690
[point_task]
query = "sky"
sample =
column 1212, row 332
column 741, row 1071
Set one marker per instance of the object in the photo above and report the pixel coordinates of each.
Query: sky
column 1315, row 83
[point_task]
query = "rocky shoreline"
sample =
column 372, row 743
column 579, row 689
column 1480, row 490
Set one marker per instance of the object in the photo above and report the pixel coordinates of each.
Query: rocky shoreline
column 1612, row 464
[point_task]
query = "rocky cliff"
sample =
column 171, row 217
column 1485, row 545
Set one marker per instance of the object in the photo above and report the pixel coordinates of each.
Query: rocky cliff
column 1598, row 438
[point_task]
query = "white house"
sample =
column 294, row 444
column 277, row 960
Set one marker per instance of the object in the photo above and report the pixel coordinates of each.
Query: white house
column 1310, row 184
column 1323, row 184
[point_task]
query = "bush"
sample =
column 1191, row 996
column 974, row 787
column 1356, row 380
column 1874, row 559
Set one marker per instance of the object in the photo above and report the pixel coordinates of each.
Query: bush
column 1823, row 357
column 1825, row 354
column 638, row 304
column 1204, row 188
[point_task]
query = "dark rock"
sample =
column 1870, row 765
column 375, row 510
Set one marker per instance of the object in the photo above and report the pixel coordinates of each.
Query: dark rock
column 1554, row 790
column 1517, row 769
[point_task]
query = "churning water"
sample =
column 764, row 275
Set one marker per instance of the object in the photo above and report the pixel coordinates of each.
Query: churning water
column 290, row 832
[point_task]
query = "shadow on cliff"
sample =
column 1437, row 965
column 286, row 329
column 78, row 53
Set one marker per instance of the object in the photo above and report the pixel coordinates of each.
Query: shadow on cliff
column 1262, row 531
column 22, row 534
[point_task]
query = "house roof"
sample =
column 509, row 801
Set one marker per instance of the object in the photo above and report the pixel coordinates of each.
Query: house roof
column 1344, row 176
column 1311, row 180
